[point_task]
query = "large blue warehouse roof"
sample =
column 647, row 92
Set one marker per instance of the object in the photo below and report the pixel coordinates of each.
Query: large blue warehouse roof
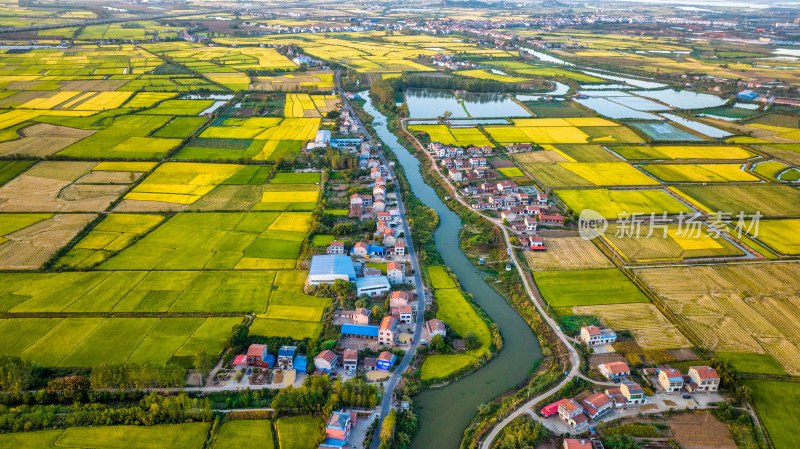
column 361, row 329
column 332, row 264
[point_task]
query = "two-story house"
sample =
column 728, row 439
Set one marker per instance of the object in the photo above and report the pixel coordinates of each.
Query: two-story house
column 387, row 333
column 593, row 336
column 704, row 378
column 670, row 380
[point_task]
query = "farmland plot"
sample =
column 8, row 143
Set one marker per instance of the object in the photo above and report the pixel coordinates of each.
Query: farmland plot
column 736, row 308
column 126, row 138
column 42, row 140
column 771, row 200
column 30, row 240
column 612, row 203
column 567, row 253
column 216, row 240
column 671, row 243
column 649, row 327
column 565, row 289
column 64, row 187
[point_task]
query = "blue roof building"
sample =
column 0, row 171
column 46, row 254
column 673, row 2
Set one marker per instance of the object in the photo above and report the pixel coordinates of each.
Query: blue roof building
column 373, row 250
column 270, row 360
column 361, row 330
column 301, row 363
column 747, row 95
column 326, row 269
column 373, row 286
column 386, row 360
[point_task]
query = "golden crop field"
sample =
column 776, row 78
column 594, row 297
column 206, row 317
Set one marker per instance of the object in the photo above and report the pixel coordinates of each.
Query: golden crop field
column 736, row 308
column 649, row 327
column 567, row 253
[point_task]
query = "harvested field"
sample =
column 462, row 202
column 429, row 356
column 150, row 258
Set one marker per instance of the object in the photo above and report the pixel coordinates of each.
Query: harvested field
column 701, row 431
column 751, row 308
column 673, row 244
column 29, row 247
column 540, row 157
column 54, row 187
column 649, row 327
column 567, row 254
column 42, row 140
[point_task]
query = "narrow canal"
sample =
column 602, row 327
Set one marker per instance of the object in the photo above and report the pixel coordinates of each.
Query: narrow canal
column 446, row 412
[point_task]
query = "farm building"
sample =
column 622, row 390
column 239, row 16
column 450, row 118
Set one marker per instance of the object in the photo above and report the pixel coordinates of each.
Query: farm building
column 328, row 268
column 326, row 361
column 286, row 357
column 360, row 331
column 373, row 286
column 300, row 363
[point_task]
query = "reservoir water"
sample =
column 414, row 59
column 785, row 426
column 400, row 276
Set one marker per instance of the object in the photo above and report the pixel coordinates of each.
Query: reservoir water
column 445, row 412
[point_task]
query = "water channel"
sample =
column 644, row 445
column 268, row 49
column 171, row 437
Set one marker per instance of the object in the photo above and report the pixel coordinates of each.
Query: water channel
column 446, row 412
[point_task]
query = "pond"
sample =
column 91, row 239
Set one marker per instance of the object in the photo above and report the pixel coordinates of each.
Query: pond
column 431, row 103
column 633, row 82
column 683, row 99
column 614, row 110
column 702, row 128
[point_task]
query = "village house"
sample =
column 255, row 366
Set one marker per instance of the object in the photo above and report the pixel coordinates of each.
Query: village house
column 258, row 356
column 596, row 404
column 670, row 380
column 388, row 235
column 370, row 363
column 570, row 411
column 370, row 271
column 400, row 299
column 337, row 432
column 336, row 248
column 614, row 370
column 388, row 329
column 379, row 206
column 519, row 147
column 507, row 187
column 704, row 378
column 360, row 200
column 403, row 313
column 395, row 272
column 385, row 360
column 593, row 336
column 551, row 219
column 616, row 396
column 534, row 243
column 436, row 327
column 286, row 357
column 360, row 249
column 572, row 443
column 531, row 224
column 477, row 162
column 326, row 361
column 361, row 316
column 633, row 392
column 400, row 247
column 455, row 175
column 541, row 198
column 350, row 359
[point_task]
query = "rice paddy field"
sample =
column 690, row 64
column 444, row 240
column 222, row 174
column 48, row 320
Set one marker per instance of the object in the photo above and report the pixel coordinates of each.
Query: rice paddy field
column 668, row 243
column 186, row 435
column 612, row 203
column 566, row 289
column 561, row 131
column 699, row 173
column 741, row 308
column 771, row 200
column 769, row 397
column 456, row 136
column 649, row 327
column 672, row 152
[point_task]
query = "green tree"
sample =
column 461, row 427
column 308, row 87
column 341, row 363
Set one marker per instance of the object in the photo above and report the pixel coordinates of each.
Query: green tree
column 521, row 433
column 471, row 341
column 203, row 362
column 15, row 374
column 621, row 441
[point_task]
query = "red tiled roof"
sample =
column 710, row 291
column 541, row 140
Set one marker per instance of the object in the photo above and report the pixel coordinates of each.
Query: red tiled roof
column 393, row 266
column 572, row 443
column 350, row 354
column 256, row 350
column 570, row 405
column 705, row 372
column 326, row 355
column 618, row 367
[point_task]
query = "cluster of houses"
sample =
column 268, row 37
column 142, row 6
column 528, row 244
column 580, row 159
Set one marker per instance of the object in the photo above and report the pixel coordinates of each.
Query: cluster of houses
column 258, row 356
column 698, row 378
column 403, row 309
column 327, row 362
column 578, row 413
column 326, row 269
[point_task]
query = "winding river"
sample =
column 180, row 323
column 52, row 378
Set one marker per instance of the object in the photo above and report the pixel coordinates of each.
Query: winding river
column 445, row 412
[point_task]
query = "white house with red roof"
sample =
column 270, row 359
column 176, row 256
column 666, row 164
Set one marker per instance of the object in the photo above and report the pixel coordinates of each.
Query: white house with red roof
column 704, row 378
column 614, row 370
column 395, row 272
column 670, row 380
column 387, row 332
column 593, row 335
column 326, row 361
column 336, row 248
column 436, row 327
column 596, row 405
